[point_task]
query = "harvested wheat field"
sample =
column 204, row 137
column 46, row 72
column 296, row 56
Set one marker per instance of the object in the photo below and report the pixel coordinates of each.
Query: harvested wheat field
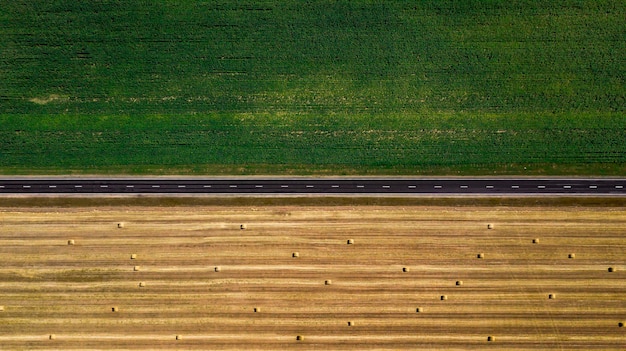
column 304, row 278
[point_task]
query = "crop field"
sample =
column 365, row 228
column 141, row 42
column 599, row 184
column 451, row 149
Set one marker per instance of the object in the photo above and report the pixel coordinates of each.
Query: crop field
column 312, row 278
column 339, row 87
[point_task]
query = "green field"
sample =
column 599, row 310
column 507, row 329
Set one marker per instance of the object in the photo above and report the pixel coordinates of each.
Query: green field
column 315, row 87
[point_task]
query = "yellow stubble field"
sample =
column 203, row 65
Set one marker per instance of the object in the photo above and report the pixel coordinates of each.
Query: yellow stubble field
column 313, row 278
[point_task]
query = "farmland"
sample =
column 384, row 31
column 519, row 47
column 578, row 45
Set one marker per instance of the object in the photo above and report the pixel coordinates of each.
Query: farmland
column 325, row 87
column 137, row 277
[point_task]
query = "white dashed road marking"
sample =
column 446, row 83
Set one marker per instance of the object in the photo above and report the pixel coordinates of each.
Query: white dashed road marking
column 232, row 186
column 334, row 186
column 104, row 186
column 489, row 187
column 412, row 186
column 464, row 187
column 130, row 186
column 284, row 186
column 182, row 186
column 438, row 186
column 619, row 187
column 52, row 186
column 258, row 186
column 360, row 186
column 385, row 186
column 206, row 186
column 514, row 186
column 541, row 186
column 567, row 186
column 593, row 187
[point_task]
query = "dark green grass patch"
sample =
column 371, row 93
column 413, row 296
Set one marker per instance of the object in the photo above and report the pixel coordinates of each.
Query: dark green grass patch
column 316, row 87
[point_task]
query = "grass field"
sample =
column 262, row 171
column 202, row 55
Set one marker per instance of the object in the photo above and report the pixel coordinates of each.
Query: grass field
column 48, row 287
column 322, row 87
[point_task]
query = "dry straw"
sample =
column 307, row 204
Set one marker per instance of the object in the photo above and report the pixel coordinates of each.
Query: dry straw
column 136, row 268
column 218, row 269
column 328, row 282
column 121, row 225
column 406, row 269
column 491, row 338
column 178, row 337
column 295, row 255
column 52, row 337
column 350, row 241
column 243, row 226
column 571, row 255
column 480, row 255
column 535, row 241
column 133, row 256
column 443, row 297
column 299, row 337
column 71, row 242
column 459, row 282
column 489, row 226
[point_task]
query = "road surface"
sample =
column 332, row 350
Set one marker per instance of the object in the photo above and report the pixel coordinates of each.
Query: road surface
column 451, row 186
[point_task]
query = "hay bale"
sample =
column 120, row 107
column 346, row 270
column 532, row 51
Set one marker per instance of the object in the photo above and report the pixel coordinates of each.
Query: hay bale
column 491, row 338
column 133, row 256
column 218, row 269
column 459, row 283
column 443, row 297
column 419, row 310
column 551, row 296
column 620, row 324
column 489, row 226
column 328, row 282
column 1, row 308
column 52, row 337
column 257, row 309
column 300, row 338
column 71, row 242
column 480, row 255
column 142, row 284
column 179, row 337
column 115, row 309
column 535, row 241
column 136, row 268
column 571, row 255
column 243, row 226
column 121, row 225
column 295, row 255
column 350, row 324
column 350, row 241
column 611, row 269
column 406, row 269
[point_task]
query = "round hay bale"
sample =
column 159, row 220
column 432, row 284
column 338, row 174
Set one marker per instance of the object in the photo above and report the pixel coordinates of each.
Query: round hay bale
column 328, row 282
column 295, row 255
column 443, row 297
column 136, row 268
column 52, row 337
column 133, row 256
column 480, row 255
column 218, row 269
column 350, row 241
column 121, row 225
column 419, row 310
column 489, row 226
column 535, row 241
column 142, row 284
column 243, row 226
column 571, row 255
column 406, row 269
column 300, row 338
column 551, row 296
column 611, row 269
column 459, row 283
column 71, row 242
column 350, row 324
column 179, row 337
column 115, row 309
column 491, row 338
column 620, row 324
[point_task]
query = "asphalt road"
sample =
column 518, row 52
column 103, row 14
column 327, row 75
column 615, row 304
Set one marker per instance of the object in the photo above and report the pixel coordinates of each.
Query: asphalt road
column 480, row 186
